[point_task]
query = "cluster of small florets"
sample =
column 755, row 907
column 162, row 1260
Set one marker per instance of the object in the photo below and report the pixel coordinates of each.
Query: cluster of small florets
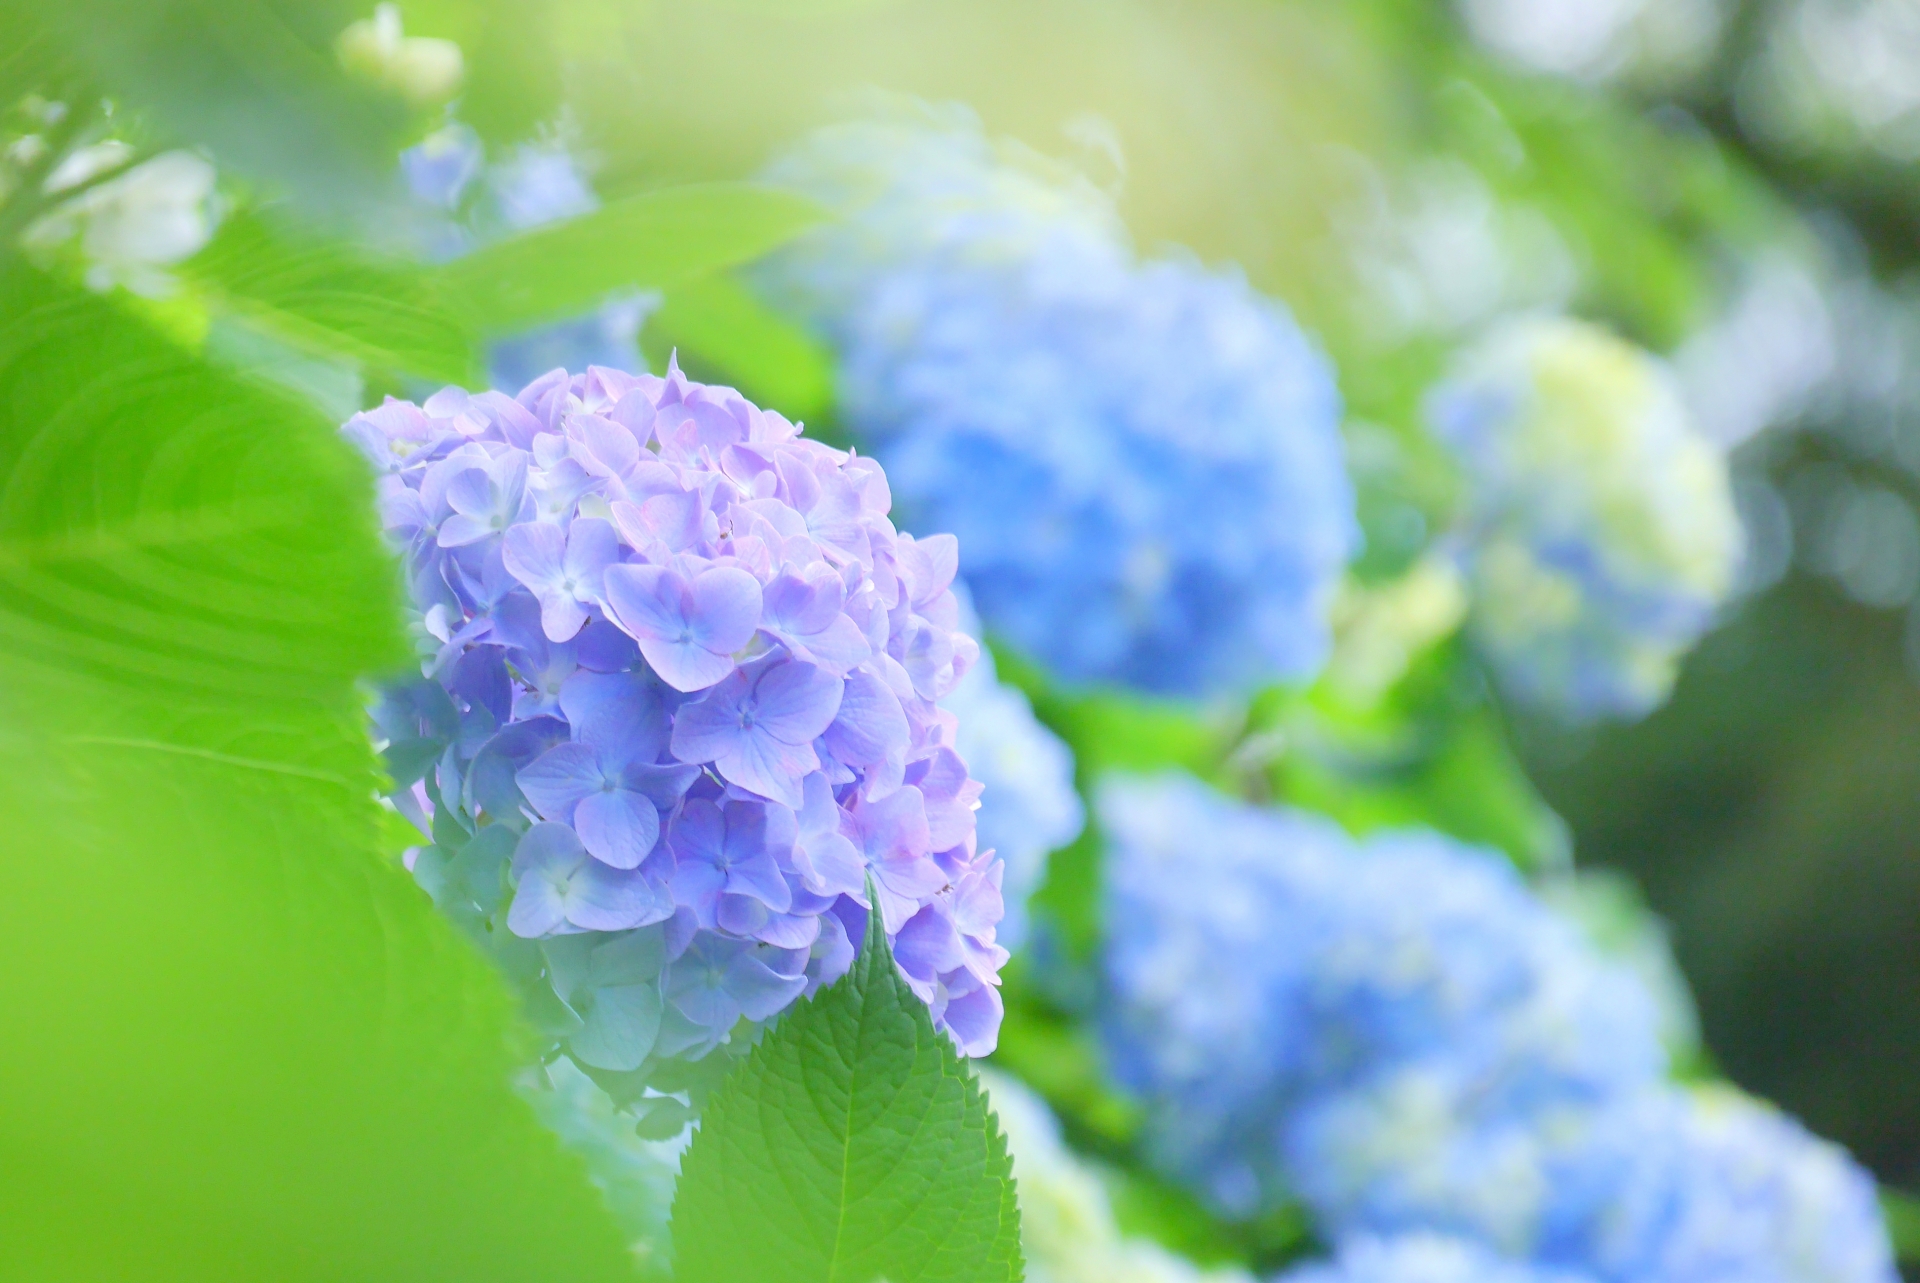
column 1142, row 460
column 1028, row 808
column 679, row 708
column 1399, row 1034
column 1599, row 533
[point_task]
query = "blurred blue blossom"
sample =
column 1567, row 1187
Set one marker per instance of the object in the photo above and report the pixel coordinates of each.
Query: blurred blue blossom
column 1675, row 1186
column 1420, row 1258
column 1297, row 1003
column 1142, row 459
column 1028, row 806
column 679, row 698
column 1599, row 533
column 1398, row 1033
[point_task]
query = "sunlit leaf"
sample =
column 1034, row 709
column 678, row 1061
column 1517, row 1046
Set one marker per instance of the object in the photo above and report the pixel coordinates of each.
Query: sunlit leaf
column 853, row 1145
column 331, row 300
column 240, row 1043
column 650, row 241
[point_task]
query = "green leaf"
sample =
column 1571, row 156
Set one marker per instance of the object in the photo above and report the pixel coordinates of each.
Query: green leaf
column 643, row 242
column 329, row 299
column 240, row 1043
column 716, row 324
column 852, row 1145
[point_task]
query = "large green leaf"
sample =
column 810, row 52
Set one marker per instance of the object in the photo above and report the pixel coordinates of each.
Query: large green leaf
column 853, row 1145
column 329, row 299
column 239, row 1042
column 719, row 328
column 641, row 242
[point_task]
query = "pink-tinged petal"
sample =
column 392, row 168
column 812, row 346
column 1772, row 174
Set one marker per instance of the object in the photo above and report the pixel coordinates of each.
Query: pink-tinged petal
column 534, row 552
column 932, row 562
column 601, row 446
column 555, row 781
column 634, row 411
column 796, row 702
column 673, row 519
column 725, row 609
column 895, row 827
column 804, row 605
column 592, row 546
column 618, row 828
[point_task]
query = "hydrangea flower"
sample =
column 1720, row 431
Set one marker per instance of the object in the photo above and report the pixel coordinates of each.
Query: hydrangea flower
column 1068, row 1232
column 679, row 703
column 1028, row 806
column 1399, row 1034
column 1674, row 1186
column 1271, row 978
column 1420, row 1258
column 1599, row 532
column 1142, row 458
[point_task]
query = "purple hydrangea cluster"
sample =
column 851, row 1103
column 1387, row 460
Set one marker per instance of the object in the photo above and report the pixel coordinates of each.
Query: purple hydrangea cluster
column 678, row 711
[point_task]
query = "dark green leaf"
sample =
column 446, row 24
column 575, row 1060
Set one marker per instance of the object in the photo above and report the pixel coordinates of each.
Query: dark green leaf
column 853, row 1145
column 240, row 1044
column 642, row 242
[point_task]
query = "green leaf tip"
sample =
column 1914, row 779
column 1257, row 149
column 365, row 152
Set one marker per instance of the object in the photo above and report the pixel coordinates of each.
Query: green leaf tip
column 852, row 1145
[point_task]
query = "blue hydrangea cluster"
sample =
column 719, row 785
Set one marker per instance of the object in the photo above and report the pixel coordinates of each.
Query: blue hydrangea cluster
column 1399, row 1034
column 1028, row 808
column 1675, row 1186
column 1421, row 1258
column 1355, row 969
column 1142, row 459
column 679, row 705
column 1599, row 533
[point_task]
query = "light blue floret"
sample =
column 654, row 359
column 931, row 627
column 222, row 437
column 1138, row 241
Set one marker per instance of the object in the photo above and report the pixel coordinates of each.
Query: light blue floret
column 1142, row 459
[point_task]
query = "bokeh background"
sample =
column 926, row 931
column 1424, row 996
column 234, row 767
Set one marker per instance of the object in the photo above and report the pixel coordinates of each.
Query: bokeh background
column 1733, row 185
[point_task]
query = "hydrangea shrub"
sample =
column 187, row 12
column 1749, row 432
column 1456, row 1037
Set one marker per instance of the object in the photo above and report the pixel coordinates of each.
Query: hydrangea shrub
column 1142, row 458
column 1400, row 1034
column 1599, row 533
column 678, row 710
